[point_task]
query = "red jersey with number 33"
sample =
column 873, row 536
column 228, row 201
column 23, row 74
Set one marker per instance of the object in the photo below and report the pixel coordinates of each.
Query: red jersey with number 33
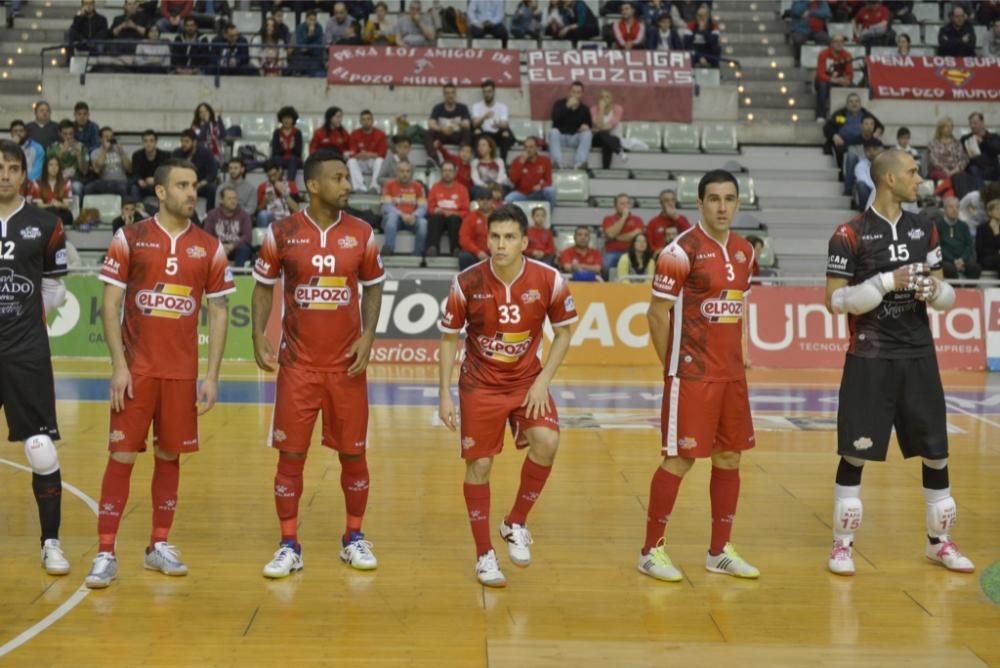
column 708, row 282
column 504, row 323
column 322, row 270
column 164, row 279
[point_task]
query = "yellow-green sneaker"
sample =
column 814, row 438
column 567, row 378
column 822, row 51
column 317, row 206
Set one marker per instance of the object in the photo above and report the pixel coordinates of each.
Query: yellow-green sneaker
column 729, row 562
column 656, row 564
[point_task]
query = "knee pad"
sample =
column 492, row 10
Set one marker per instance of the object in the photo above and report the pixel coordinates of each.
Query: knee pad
column 853, row 461
column 847, row 514
column 941, row 516
column 936, row 464
column 42, row 454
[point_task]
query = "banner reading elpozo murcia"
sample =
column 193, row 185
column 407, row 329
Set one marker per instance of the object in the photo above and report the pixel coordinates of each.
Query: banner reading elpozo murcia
column 935, row 78
column 422, row 66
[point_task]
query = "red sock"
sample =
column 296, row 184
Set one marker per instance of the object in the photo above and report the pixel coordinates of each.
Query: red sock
column 287, row 492
column 533, row 477
column 662, row 495
column 354, row 482
column 114, row 495
column 725, row 491
column 166, row 478
column 477, row 500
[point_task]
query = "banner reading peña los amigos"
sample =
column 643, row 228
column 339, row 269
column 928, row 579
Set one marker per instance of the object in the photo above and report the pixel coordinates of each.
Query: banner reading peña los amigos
column 422, row 66
column 935, row 78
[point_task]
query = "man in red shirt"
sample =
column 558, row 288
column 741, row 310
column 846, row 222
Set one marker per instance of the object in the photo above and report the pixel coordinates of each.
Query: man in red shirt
column 158, row 270
column 368, row 148
column 871, row 23
column 447, row 203
column 276, row 197
column 580, row 257
column 531, row 175
column 668, row 217
column 325, row 256
column 472, row 243
column 833, row 68
column 502, row 304
column 404, row 203
column 541, row 241
column 619, row 228
column 629, row 33
column 696, row 325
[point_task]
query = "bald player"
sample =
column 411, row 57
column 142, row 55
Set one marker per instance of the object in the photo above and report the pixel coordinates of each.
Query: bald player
column 883, row 271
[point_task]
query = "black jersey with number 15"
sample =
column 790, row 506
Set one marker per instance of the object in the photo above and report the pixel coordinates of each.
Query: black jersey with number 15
column 869, row 245
column 32, row 246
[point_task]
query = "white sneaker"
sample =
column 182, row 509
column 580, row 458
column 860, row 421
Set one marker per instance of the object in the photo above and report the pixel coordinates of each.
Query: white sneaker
column 841, row 560
column 488, row 571
column 656, row 564
column 53, row 560
column 946, row 553
column 102, row 571
column 358, row 553
column 729, row 562
column 164, row 558
column 285, row 562
column 518, row 539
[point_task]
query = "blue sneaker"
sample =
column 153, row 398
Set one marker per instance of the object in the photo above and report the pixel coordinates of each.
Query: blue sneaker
column 358, row 553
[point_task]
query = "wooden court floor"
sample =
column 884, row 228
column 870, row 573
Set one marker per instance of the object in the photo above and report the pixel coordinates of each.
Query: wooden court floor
column 581, row 602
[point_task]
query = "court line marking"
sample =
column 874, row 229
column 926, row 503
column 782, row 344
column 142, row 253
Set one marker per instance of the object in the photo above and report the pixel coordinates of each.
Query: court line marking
column 963, row 411
column 66, row 605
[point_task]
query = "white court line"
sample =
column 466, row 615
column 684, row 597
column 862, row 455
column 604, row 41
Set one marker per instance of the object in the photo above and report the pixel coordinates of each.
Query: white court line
column 69, row 603
column 972, row 415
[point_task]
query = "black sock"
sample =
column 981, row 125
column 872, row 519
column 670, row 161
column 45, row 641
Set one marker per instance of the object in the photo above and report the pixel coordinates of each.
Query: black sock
column 934, row 479
column 48, row 496
column 849, row 475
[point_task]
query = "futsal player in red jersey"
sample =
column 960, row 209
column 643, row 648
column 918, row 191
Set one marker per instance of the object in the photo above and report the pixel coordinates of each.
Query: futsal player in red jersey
column 696, row 324
column 325, row 256
column 157, row 271
column 502, row 303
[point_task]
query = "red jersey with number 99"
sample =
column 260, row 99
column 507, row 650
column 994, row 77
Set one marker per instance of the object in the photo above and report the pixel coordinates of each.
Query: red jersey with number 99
column 708, row 282
column 322, row 270
column 503, row 322
column 164, row 279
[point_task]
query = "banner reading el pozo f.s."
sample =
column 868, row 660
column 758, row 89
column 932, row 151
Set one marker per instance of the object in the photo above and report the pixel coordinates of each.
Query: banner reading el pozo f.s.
column 935, row 78
column 422, row 66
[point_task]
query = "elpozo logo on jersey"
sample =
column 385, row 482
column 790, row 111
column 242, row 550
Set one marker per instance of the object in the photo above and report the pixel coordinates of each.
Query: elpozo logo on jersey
column 728, row 308
column 167, row 300
column 506, row 346
column 325, row 293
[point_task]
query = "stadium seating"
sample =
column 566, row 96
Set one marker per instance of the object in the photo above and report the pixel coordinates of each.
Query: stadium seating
column 528, row 207
column 526, row 127
column 680, row 138
column 718, row 138
column 651, row 134
column 572, row 187
column 109, row 206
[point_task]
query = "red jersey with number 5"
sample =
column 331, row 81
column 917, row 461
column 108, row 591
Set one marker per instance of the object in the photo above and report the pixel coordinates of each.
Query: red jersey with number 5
column 164, row 279
column 322, row 270
column 708, row 282
column 503, row 323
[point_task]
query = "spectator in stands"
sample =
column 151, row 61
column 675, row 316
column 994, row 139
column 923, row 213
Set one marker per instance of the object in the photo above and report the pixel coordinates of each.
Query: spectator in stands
column 957, row 38
column 190, row 50
column 490, row 118
column 628, row 32
column 230, row 224
column 404, row 204
column 658, row 228
column 856, row 152
column 902, row 45
column 447, row 205
column 983, row 149
column 33, row 152
column 864, row 186
column 664, row 37
column 415, row 28
column 702, row 40
column 153, row 55
column 277, row 198
column 280, row 29
column 993, row 42
column 606, row 118
column 486, row 19
column 111, row 165
column 287, row 142
column 231, row 52
column 52, row 191
column 473, row 234
column 450, row 122
column 130, row 25
column 843, row 129
column 808, row 24
column 651, row 10
column 368, row 148
column 213, row 14
column 871, row 24
column 88, row 26
column 309, row 56
column 638, row 261
column 972, row 209
column 527, row 20
column 571, row 128
column 758, row 250
column 988, row 238
column 86, row 131
column 487, row 167
column 381, row 27
column 42, row 130
column 834, row 67
column 688, row 9
column 174, row 13
column 210, row 130
column 580, row 260
column 531, row 176
column 571, row 20
column 204, row 164
column 336, row 27
column 903, row 142
column 901, row 12
column 145, row 162
column 333, row 134
column 987, row 12
column 619, row 228
column 268, row 54
column 128, row 215
column 462, row 161
column 958, row 250
column 945, row 155
column 390, row 166
column 541, row 240
column 72, row 155
column 235, row 178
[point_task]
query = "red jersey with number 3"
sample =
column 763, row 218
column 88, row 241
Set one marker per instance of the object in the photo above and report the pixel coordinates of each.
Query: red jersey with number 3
column 503, row 323
column 707, row 281
column 164, row 279
column 322, row 270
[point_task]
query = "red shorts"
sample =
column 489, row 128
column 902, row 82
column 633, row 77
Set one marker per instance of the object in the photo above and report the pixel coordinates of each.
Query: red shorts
column 701, row 416
column 170, row 405
column 301, row 394
column 485, row 412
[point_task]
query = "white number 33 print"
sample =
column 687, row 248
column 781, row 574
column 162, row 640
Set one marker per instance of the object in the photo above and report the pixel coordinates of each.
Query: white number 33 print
column 510, row 313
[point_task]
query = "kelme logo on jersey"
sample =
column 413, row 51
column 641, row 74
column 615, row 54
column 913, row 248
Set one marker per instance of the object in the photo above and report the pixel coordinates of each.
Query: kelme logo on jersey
column 506, row 346
column 324, row 293
column 726, row 309
column 166, row 300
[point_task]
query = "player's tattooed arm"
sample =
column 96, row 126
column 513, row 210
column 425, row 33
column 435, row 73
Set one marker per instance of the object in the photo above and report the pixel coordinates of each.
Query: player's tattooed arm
column 121, row 378
column 371, row 304
column 260, row 310
column 218, row 321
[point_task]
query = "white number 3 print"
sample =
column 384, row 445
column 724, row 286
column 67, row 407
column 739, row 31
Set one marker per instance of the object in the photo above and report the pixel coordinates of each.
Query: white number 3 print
column 730, row 274
column 510, row 314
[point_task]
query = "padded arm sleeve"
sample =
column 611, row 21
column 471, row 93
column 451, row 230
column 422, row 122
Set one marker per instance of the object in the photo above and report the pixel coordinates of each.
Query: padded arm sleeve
column 864, row 297
column 54, row 293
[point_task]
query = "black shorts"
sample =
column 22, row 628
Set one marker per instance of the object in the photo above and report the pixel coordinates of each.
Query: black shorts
column 879, row 394
column 28, row 398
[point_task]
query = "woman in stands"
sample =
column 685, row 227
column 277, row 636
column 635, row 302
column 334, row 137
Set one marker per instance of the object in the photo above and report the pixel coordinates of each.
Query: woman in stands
column 606, row 117
column 702, row 39
column 286, row 143
column 153, row 54
column 381, row 27
column 52, row 191
column 267, row 51
column 988, row 238
column 638, row 261
column 571, row 20
column 945, row 156
column 487, row 168
column 333, row 134
column 902, row 44
column 210, row 130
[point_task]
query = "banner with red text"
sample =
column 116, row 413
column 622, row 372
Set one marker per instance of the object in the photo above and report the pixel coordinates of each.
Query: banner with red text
column 422, row 66
column 650, row 85
column 935, row 78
